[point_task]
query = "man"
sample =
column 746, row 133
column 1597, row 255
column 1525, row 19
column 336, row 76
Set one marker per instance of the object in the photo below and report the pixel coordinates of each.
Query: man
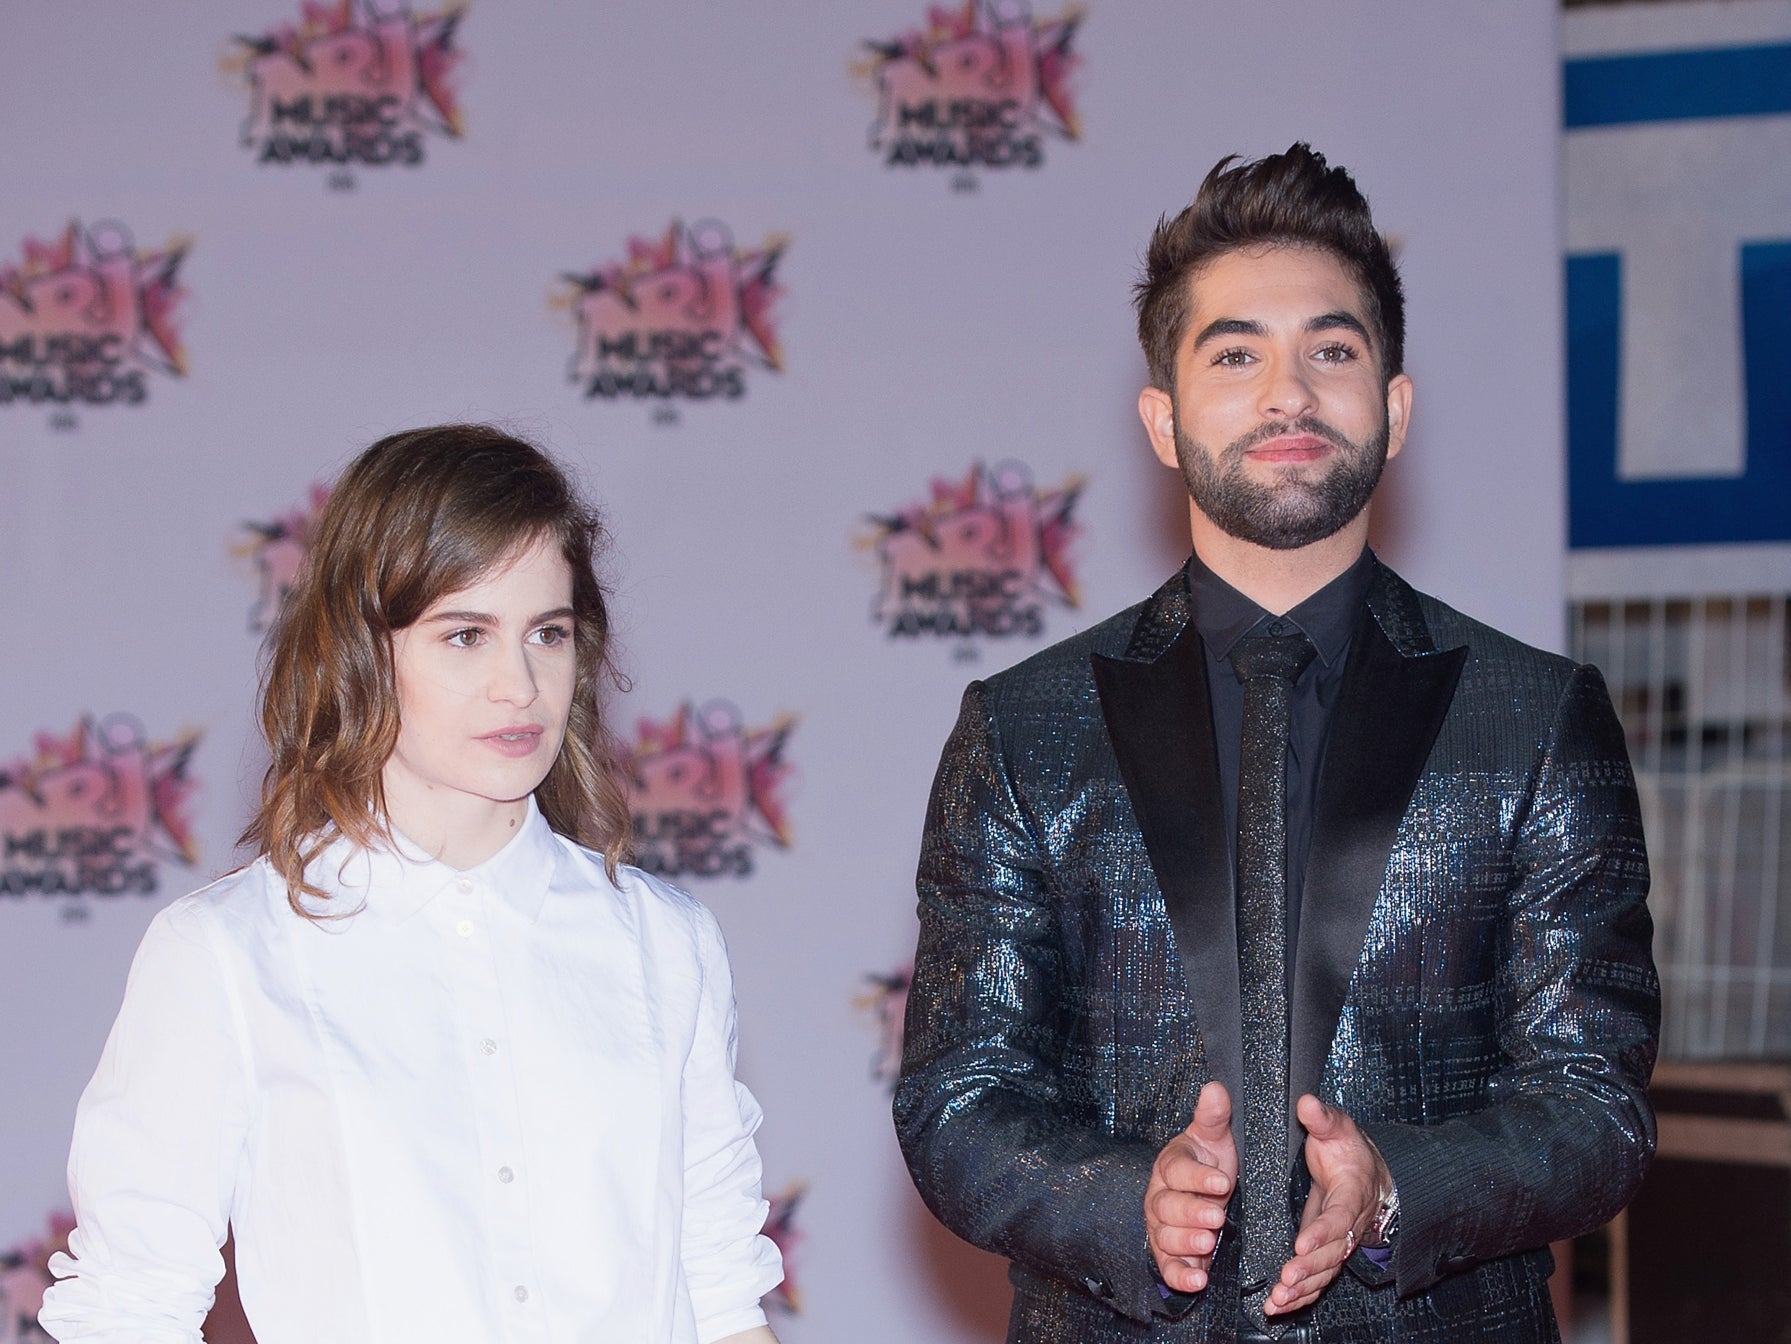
column 1284, row 969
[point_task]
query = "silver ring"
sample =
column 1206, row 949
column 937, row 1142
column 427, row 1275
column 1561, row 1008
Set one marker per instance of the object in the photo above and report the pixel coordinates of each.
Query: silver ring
column 1349, row 1242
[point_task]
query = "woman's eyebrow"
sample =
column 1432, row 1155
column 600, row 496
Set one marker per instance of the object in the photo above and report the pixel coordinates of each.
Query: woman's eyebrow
column 486, row 618
column 463, row 617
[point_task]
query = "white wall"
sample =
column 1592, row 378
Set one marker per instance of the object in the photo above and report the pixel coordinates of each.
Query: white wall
column 923, row 329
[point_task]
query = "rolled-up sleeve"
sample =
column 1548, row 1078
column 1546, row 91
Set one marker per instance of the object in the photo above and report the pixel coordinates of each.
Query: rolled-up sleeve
column 156, row 1143
column 728, row 1263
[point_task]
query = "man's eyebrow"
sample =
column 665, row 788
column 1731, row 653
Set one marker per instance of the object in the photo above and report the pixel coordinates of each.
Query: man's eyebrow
column 1340, row 319
column 1229, row 326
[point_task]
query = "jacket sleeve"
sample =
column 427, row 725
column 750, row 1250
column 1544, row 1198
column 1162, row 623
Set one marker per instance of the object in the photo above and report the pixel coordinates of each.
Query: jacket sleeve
column 980, row 1109
column 1566, row 1132
column 157, row 1138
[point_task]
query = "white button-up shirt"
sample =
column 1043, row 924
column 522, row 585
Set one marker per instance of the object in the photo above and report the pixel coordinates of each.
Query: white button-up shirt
column 488, row 1105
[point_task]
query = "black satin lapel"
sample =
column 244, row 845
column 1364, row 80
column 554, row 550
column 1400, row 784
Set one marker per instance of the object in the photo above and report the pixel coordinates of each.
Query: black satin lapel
column 1388, row 714
column 1160, row 722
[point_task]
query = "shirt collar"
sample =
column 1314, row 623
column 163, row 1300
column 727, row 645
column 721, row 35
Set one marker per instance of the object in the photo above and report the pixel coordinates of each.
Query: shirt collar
column 1223, row 615
column 399, row 880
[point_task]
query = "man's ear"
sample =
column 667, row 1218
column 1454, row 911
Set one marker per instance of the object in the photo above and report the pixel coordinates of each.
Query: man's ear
column 1399, row 412
column 1157, row 409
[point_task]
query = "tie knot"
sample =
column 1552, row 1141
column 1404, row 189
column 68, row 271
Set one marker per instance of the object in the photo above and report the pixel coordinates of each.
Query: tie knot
column 1283, row 657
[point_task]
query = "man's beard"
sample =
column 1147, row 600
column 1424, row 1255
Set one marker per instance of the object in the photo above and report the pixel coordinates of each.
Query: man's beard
column 1303, row 506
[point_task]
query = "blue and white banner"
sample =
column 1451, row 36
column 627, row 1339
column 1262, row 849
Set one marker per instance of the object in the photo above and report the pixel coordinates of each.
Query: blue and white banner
column 1677, row 177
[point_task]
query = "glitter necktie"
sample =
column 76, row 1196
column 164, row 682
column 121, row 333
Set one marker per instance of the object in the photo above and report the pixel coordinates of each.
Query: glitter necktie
column 1268, row 665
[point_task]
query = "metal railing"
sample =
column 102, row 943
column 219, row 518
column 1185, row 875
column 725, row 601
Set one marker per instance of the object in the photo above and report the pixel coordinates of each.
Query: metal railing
column 1700, row 684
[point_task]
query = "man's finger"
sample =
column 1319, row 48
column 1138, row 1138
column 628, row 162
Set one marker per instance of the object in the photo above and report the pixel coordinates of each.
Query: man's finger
column 1305, row 1276
column 1320, row 1121
column 1297, row 1298
column 1212, row 1115
column 1185, row 1169
column 1183, row 1241
column 1175, row 1208
column 1322, row 1231
column 1328, row 1218
column 1182, row 1276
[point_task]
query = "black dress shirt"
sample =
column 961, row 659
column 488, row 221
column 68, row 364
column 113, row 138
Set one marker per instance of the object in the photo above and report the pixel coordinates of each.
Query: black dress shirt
column 1222, row 616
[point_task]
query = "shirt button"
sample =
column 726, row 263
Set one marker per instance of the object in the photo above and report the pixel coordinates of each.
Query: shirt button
column 464, row 928
column 463, row 885
column 1277, row 627
column 488, row 1046
column 522, row 1294
column 506, row 1175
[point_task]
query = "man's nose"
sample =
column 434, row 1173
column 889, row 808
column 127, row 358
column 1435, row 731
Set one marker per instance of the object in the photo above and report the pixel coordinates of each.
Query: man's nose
column 1287, row 392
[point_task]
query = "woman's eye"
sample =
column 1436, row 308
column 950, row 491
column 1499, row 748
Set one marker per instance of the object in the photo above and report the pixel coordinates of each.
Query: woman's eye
column 463, row 639
column 552, row 635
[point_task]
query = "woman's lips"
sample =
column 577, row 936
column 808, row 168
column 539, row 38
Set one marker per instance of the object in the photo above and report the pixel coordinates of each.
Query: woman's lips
column 520, row 741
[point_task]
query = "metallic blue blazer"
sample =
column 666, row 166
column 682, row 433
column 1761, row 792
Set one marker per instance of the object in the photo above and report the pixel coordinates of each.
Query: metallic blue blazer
column 1473, row 981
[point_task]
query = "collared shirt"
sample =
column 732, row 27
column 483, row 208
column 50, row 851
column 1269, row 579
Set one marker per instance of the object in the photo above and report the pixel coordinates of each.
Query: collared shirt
column 488, row 1105
column 1223, row 616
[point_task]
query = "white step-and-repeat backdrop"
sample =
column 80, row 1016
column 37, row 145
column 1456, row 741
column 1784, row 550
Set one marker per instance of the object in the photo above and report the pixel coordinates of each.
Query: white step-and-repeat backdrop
column 827, row 305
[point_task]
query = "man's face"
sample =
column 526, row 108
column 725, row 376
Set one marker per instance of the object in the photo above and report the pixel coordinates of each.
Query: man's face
column 1281, row 421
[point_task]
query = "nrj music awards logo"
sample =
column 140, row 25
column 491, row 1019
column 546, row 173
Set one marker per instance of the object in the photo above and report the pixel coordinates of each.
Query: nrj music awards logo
column 24, row 1275
column 982, row 556
column 97, row 812
column 780, row 1227
column 276, row 549
column 886, row 998
column 708, row 791
column 85, row 318
column 684, row 316
column 351, row 84
column 982, row 86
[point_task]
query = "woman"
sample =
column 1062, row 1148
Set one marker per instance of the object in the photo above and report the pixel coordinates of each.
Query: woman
column 447, row 1073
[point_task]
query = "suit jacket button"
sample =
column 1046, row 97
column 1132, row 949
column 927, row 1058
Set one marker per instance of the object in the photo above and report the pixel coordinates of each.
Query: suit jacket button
column 1098, row 1287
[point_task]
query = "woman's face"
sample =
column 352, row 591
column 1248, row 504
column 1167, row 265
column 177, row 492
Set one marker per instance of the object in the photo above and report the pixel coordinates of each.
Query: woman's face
column 485, row 681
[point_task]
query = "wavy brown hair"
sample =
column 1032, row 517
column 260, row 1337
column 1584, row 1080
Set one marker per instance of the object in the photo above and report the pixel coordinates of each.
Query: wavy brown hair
column 417, row 516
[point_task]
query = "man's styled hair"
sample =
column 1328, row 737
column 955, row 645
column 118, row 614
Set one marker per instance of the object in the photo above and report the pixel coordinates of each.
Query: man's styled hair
column 1285, row 200
column 415, row 517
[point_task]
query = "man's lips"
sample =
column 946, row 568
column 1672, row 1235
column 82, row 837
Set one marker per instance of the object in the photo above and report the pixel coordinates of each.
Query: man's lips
column 1291, row 448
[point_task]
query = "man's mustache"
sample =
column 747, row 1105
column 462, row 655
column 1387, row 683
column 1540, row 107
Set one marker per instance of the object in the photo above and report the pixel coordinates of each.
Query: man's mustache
column 1275, row 429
